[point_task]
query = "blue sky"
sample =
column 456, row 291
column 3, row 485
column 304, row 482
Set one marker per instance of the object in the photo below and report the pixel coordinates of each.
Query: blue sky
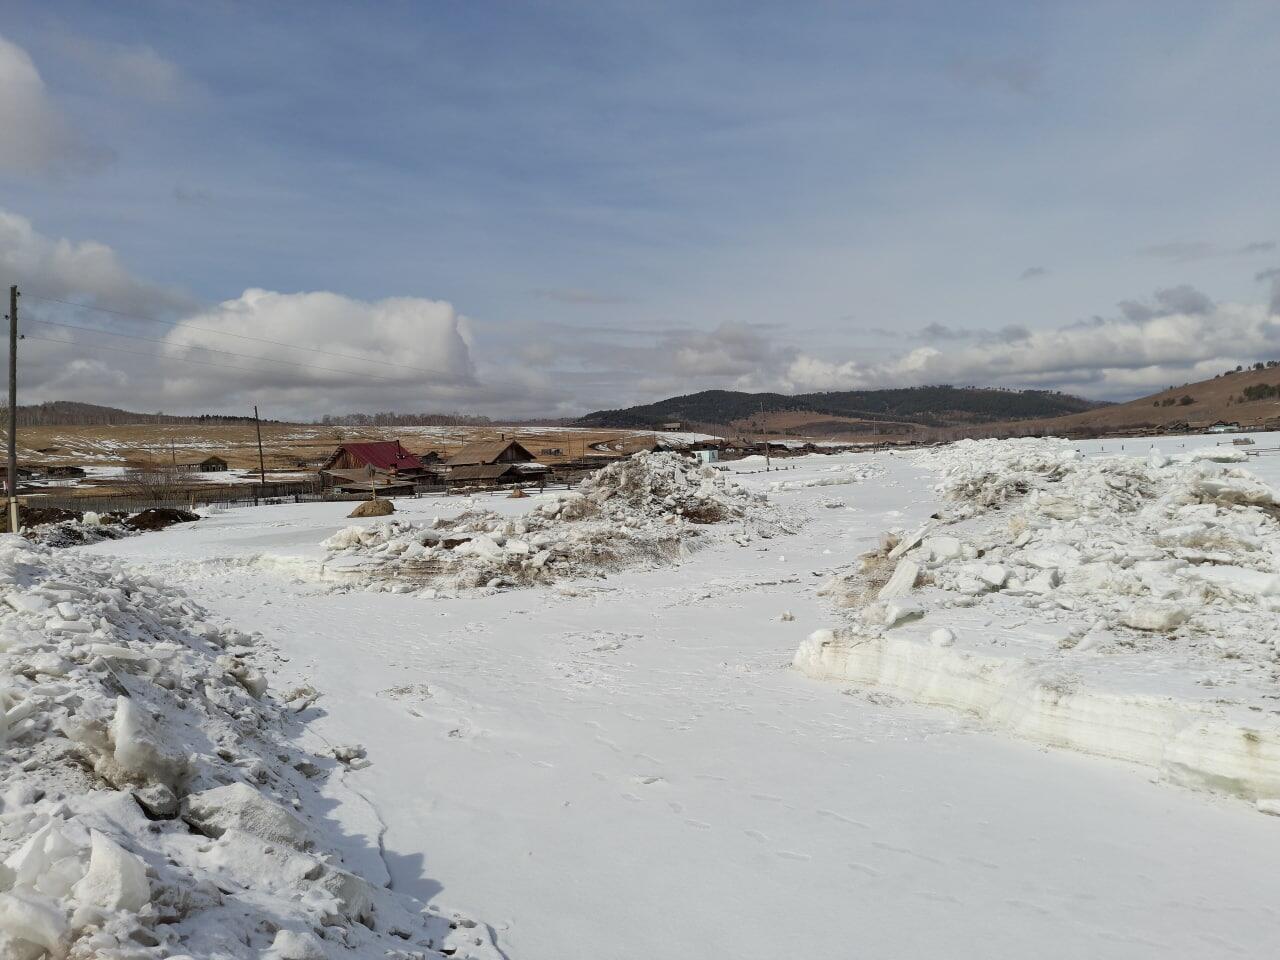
column 619, row 202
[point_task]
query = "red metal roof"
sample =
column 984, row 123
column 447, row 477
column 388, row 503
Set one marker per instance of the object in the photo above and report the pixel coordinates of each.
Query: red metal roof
column 383, row 455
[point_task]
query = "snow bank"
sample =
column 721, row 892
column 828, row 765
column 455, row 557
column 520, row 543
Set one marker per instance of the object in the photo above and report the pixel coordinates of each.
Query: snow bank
column 153, row 804
column 1188, row 743
column 649, row 509
column 1163, row 568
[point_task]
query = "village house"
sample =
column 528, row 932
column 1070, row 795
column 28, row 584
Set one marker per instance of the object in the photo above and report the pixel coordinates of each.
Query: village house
column 493, row 462
column 213, row 464
column 381, row 466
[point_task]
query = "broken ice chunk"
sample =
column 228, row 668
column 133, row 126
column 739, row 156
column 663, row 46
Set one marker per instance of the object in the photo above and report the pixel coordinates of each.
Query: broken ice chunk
column 1154, row 617
column 116, row 879
column 904, row 578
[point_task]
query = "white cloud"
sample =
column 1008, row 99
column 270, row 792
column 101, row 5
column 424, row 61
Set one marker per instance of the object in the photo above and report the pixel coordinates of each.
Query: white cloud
column 730, row 350
column 1116, row 357
column 36, row 138
column 86, row 271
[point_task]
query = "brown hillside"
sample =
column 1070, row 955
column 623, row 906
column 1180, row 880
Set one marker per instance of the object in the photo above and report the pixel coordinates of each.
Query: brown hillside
column 1212, row 400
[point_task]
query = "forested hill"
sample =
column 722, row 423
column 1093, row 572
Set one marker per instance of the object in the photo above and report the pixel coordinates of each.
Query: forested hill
column 61, row 413
column 928, row 406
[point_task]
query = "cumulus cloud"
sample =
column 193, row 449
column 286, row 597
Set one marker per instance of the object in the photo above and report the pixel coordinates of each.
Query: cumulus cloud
column 36, row 137
column 1113, row 357
column 348, row 352
column 85, row 271
column 301, row 354
column 730, row 350
column 294, row 354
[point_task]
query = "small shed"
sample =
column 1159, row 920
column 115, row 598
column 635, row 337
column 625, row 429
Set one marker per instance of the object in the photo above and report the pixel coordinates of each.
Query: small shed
column 213, row 464
column 64, row 471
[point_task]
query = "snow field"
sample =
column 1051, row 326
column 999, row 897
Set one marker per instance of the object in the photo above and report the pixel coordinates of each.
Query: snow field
column 628, row 766
column 1168, row 567
column 154, row 801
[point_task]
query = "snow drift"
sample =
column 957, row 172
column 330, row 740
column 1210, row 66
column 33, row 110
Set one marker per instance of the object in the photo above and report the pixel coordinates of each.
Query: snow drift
column 154, row 805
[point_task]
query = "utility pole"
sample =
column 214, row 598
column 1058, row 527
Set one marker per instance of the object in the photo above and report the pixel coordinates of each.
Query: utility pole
column 13, row 409
column 257, row 425
column 766, row 439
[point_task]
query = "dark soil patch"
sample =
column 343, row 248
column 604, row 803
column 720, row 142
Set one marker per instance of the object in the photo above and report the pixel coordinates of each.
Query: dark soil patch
column 158, row 518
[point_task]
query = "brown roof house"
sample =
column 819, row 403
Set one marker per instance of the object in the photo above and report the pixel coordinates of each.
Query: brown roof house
column 494, row 462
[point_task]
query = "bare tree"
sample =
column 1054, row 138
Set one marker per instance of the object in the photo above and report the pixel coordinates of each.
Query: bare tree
column 158, row 482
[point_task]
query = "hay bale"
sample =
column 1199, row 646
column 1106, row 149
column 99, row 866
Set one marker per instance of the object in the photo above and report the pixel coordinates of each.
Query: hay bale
column 516, row 493
column 373, row 508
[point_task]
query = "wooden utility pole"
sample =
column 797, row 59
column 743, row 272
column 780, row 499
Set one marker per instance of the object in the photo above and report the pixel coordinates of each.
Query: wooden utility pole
column 257, row 425
column 766, row 439
column 13, row 409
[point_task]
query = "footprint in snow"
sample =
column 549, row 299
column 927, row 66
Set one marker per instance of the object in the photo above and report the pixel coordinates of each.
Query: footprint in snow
column 700, row 825
column 832, row 815
column 792, row 855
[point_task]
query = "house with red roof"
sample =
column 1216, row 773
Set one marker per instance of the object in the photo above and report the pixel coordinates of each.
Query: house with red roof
column 375, row 463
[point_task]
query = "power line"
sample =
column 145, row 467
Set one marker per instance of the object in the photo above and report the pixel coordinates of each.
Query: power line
column 241, row 336
column 229, row 353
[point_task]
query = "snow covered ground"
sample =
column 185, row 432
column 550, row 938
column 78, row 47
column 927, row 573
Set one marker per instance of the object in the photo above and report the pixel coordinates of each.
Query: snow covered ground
column 630, row 767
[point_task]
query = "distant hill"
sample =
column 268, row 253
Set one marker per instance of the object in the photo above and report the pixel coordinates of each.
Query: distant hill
column 937, row 406
column 1250, row 397
column 66, row 413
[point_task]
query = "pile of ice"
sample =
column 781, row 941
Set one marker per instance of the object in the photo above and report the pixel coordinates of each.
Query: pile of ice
column 1092, row 603
column 652, row 508
column 152, row 803
column 1187, row 548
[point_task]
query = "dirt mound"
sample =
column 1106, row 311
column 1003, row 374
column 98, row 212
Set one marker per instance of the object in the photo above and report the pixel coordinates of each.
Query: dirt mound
column 158, row 518
column 373, row 508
